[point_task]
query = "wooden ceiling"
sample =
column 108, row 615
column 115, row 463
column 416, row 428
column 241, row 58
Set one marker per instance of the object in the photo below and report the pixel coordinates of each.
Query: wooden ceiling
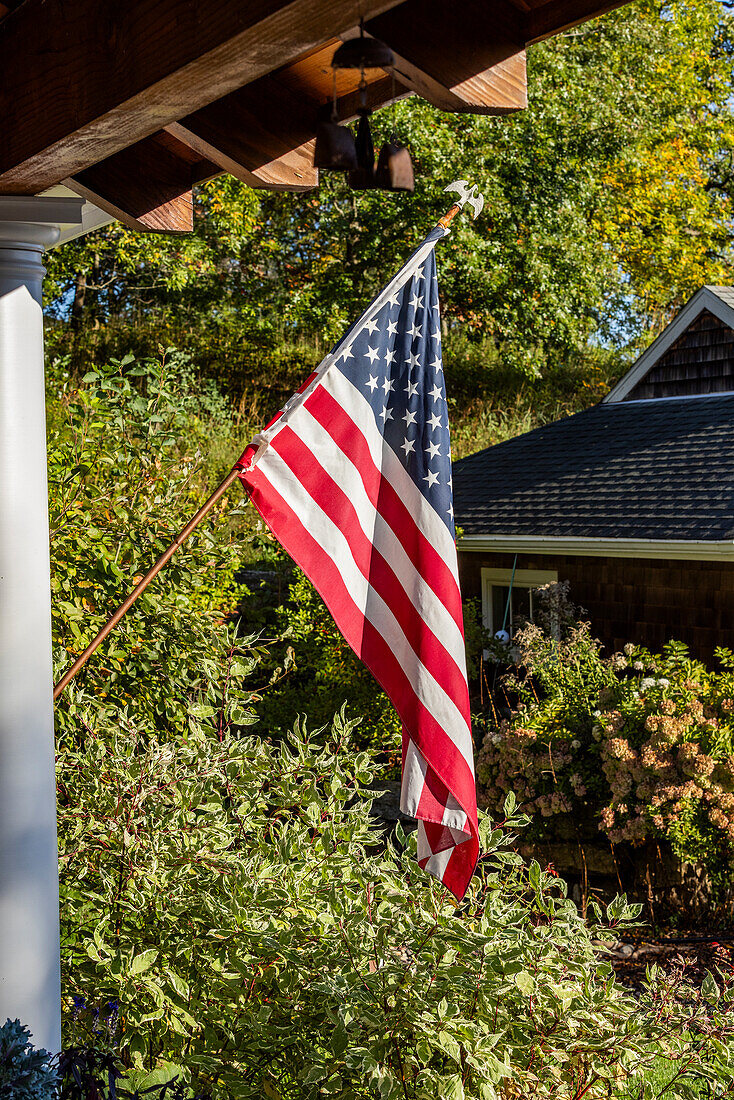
column 132, row 104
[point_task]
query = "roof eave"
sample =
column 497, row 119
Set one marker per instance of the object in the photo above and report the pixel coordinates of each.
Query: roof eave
column 685, row 550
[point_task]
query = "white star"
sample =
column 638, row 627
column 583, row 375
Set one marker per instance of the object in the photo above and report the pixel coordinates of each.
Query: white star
column 435, row 306
column 346, row 353
column 372, row 383
column 412, row 389
column 436, row 334
column 437, row 364
column 451, row 511
column 412, row 360
column 393, row 299
column 370, row 326
column 409, row 418
column 388, row 385
column 434, row 449
column 434, row 421
column 432, row 479
column 392, row 328
column 435, row 393
column 372, row 354
column 407, row 446
column 419, row 276
column 386, row 414
column 389, row 357
column 415, row 330
column 417, row 301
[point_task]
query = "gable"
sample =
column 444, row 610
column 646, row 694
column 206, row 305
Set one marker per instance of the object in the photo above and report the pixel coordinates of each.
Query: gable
column 692, row 357
column 701, row 361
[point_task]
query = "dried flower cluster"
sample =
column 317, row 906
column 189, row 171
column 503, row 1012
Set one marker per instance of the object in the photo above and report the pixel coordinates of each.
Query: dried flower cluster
column 642, row 744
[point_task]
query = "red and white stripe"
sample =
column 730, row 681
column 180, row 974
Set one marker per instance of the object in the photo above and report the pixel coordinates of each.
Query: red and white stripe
column 337, row 497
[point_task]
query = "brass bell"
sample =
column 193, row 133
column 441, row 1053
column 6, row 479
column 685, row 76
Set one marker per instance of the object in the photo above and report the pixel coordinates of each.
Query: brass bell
column 335, row 148
column 394, row 168
column 362, row 177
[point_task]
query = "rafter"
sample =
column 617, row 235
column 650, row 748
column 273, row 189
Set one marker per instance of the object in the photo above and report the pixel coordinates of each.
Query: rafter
column 474, row 63
column 261, row 134
column 561, row 15
column 147, row 186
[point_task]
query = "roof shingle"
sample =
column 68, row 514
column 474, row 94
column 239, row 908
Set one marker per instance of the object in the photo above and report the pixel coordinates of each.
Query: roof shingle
column 641, row 470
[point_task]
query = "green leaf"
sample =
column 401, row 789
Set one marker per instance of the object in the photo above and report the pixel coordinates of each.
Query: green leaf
column 143, row 961
column 525, row 982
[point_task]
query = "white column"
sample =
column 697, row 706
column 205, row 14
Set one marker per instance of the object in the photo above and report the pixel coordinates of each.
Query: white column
column 29, row 890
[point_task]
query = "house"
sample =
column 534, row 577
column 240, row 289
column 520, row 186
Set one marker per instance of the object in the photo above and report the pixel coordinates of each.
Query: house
column 631, row 501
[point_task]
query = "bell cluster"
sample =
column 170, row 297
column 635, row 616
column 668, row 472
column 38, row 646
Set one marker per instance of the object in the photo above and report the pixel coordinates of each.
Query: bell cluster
column 338, row 149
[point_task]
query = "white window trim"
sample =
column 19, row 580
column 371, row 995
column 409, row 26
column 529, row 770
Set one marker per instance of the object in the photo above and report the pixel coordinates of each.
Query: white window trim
column 524, row 578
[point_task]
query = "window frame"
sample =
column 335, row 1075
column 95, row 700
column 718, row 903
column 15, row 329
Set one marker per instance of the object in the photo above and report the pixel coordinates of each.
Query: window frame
column 524, row 578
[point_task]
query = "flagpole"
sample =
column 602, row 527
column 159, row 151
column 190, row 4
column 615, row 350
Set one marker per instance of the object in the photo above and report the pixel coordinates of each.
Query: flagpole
column 444, row 222
column 141, row 586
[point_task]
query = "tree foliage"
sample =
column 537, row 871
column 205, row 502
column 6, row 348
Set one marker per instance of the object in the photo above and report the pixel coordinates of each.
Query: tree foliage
column 607, row 203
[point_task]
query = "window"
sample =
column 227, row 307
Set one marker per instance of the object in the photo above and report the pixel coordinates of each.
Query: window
column 496, row 591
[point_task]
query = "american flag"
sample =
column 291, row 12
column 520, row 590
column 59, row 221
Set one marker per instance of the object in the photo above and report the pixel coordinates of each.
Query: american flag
column 353, row 477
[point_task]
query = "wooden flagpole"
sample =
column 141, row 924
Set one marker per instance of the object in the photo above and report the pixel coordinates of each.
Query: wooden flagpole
column 141, row 586
column 193, row 523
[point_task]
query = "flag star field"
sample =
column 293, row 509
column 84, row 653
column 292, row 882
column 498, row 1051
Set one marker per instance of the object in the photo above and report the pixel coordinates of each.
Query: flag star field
column 396, row 361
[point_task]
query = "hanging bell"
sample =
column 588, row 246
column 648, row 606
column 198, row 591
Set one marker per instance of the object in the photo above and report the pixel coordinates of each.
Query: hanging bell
column 363, row 53
column 394, row 168
column 335, row 148
column 362, row 177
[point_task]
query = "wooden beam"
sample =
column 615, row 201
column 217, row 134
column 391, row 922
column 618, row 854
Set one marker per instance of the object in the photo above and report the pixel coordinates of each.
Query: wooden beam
column 472, row 60
column 562, row 15
column 379, row 93
column 261, row 134
column 496, row 91
column 147, row 186
column 82, row 81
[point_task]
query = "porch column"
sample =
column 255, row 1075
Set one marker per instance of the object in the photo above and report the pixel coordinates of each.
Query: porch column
column 29, row 889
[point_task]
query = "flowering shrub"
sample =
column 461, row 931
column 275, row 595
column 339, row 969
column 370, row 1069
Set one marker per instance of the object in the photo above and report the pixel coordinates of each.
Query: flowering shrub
column 640, row 745
column 262, row 937
column 665, row 744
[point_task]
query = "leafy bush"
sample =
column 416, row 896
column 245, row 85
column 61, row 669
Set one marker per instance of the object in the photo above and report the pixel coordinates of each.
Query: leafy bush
column 327, row 676
column 238, row 901
column 643, row 744
column 93, row 1072
column 133, row 452
column 25, row 1073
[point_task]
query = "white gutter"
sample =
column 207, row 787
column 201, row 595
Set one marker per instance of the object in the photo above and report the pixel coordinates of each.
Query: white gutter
column 693, row 550
column 92, row 217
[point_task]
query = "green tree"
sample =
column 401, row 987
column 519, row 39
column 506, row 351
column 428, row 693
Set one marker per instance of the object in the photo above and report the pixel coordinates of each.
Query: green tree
column 607, row 203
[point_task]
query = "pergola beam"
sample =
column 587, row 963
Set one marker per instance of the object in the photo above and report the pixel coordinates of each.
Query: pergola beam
column 471, row 61
column 561, row 15
column 82, row 81
column 147, row 186
column 262, row 134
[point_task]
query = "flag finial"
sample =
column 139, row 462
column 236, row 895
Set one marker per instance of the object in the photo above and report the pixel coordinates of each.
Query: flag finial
column 467, row 195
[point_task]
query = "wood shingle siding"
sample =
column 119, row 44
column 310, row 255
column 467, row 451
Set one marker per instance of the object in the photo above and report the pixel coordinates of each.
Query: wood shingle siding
column 646, row 602
column 700, row 361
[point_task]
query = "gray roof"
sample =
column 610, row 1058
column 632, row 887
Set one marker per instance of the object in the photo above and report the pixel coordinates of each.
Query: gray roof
column 633, row 470
column 726, row 293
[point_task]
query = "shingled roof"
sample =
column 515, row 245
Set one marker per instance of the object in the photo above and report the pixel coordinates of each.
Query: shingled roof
column 644, row 470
